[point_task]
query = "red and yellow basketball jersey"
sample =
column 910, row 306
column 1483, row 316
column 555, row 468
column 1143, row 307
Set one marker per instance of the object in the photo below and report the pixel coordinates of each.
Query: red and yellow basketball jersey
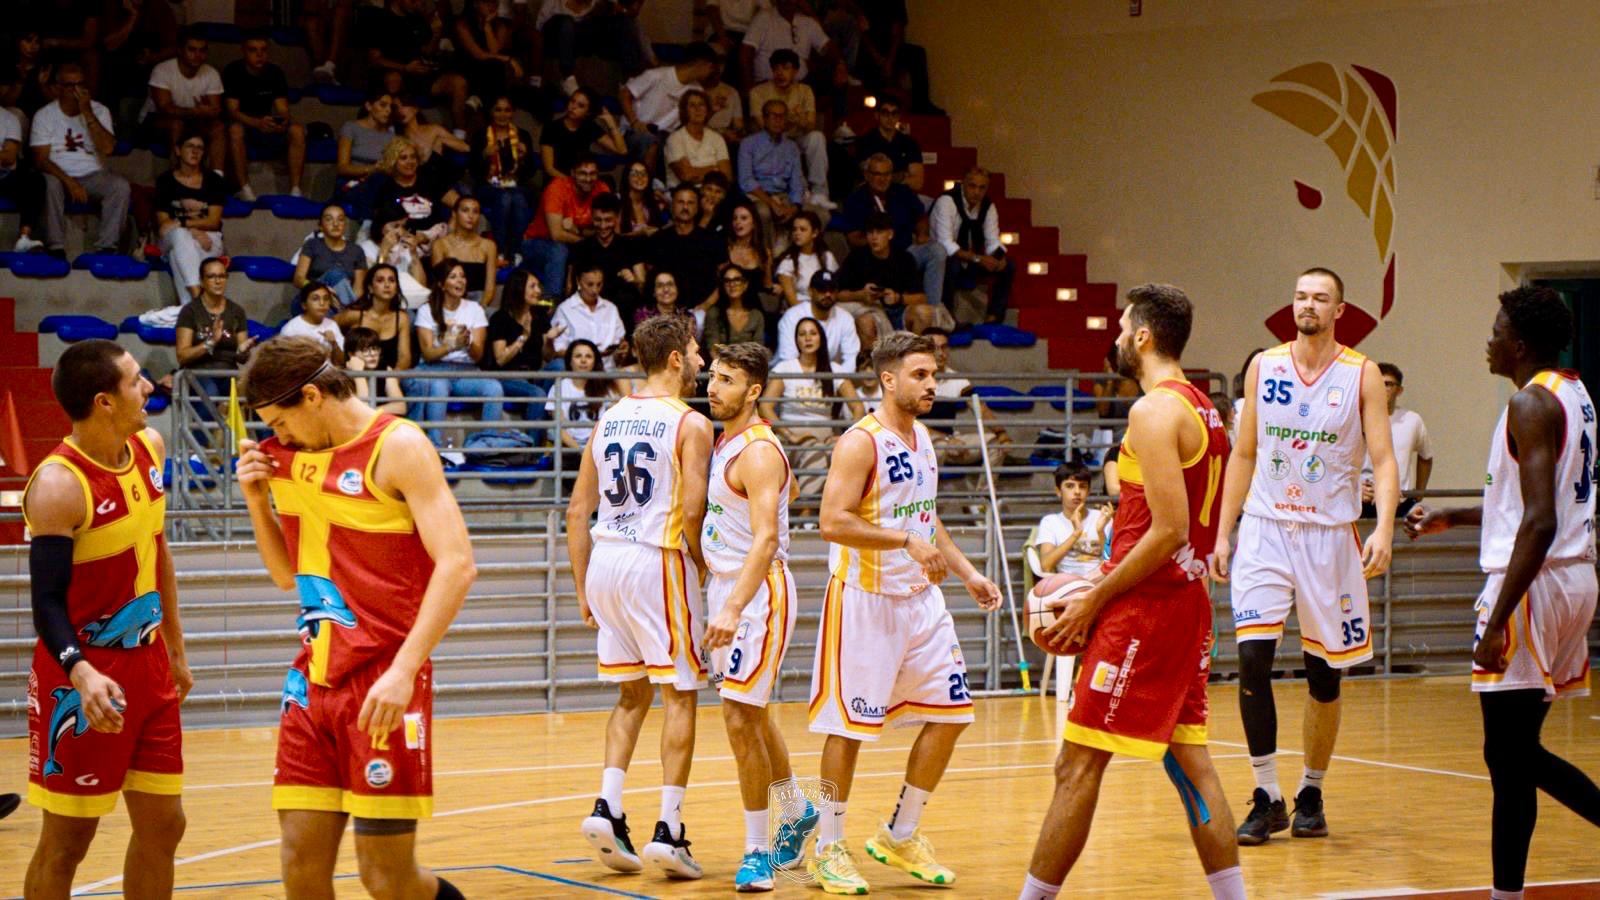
column 1202, row 482
column 360, row 566
column 114, row 599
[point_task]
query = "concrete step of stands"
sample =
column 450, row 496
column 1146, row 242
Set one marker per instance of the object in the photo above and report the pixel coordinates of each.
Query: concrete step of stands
column 80, row 293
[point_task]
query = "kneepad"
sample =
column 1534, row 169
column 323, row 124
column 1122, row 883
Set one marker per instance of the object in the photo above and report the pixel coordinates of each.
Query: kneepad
column 1255, row 665
column 1322, row 680
column 385, row 827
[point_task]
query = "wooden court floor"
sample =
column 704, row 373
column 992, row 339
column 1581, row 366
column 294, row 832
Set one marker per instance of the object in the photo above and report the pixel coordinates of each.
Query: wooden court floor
column 1408, row 805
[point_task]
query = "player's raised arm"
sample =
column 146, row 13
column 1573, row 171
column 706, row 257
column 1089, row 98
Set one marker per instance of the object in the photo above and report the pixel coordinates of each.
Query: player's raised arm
column 255, row 471
column 694, row 449
column 581, row 505
column 409, row 468
column 1241, row 470
column 760, row 471
column 853, row 461
column 1375, row 425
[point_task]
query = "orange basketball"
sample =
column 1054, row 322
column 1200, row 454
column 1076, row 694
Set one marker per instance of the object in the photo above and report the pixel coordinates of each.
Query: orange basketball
column 1049, row 595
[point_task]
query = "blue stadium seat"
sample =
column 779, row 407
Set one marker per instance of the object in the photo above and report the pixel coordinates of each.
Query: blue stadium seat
column 339, row 95
column 501, row 276
column 112, row 266
column 262, row 268
column 287, row 206
column 962, row 338
column 150, row 334
column 7, row 257
column 78, row 328
column 994, row 397
column 1079, row 403
column 323, row 151
column 157, row 404
column 39, row 265
column 123, row 148
column 1004, row 335
column 7, row 205
column 289, row 36
column 262, row 332
column 237, row 209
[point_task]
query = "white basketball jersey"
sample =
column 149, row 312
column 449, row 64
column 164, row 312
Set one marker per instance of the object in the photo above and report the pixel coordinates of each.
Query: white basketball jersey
column 1309, row 443
column 635, row 452
column 728, row 536
column 901, row 495
column 1575, row 475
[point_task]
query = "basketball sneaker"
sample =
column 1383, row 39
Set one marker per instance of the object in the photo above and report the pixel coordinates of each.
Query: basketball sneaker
column 835, row 871
column 755, row 873
column 670, row 855
column 608, row 835
column 790, row 844
column 1308, row 818
column 1267, row 817
column 914, row 856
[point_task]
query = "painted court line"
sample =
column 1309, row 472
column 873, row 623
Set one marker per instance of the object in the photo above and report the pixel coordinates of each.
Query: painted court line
column 1372, row 762
column 1411, row 891
column 527, row 873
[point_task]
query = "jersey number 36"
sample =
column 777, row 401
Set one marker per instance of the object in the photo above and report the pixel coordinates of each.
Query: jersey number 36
column 629, row 476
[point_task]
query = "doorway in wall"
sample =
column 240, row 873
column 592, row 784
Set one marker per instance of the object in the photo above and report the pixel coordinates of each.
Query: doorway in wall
column 1583, row 296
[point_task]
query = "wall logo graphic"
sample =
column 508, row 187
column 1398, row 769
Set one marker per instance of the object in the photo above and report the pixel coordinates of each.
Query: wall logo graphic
column 1352, row 111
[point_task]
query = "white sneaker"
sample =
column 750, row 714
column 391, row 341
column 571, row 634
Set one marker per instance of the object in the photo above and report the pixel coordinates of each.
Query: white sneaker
column 460, row 133
column 295, row 191
column 453, row 457
column 569, row 85
column 844, row 132
column 26, row 244
column 327, row 73
column 670, row 856
column 246, row 194
column 820, row 201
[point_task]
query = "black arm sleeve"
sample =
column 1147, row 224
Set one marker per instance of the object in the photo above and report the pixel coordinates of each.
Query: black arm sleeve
column 50, row 568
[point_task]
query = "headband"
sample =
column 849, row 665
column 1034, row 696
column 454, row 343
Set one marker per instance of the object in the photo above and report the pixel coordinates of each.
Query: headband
column 325, row 367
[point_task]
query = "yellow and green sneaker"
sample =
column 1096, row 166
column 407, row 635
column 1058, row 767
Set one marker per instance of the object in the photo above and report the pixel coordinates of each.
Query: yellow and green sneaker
column 835, row 871
column 914, row 856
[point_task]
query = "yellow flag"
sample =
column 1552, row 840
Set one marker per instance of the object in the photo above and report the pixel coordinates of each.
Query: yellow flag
column 235, row 415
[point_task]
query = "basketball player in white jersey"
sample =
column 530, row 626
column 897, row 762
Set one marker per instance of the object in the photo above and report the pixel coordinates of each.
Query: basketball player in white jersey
column 1312, row 410
column 637, row 577
column 1539, row 553
column 750, row 599
column 887, row 649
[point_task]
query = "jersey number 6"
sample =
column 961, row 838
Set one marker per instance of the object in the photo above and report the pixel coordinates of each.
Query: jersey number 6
column 629, row 477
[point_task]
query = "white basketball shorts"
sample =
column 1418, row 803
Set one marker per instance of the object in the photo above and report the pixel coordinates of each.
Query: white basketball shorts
column 1316, row 570
column 883, row 659
column 747, row 669
column 646, row 601
column 1547, row 638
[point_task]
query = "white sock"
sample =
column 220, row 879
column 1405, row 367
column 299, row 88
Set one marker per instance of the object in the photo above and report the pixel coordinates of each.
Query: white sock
column 831, row 827
column 908, row 812
column 611, row 789
column 1034, row 889
column 1227, row 884
column 755, row 830
column 672, row 808
column 1497, row 894
column 1266, row 769
column 1312, row 778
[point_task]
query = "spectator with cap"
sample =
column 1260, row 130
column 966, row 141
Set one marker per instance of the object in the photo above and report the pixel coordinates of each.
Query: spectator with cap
column 878, row 276
column 1412, row 450
column 844, row 344
column 769, row 167
column 186, row 92
column 800, row 105
column 620, row 257
column 71, row 138
column 890, row 139
column 255, row 95
column 189, row 201
column 695, row 149
column 966, row 223
column 650, row 101
column 881, row 195
column 565, row 217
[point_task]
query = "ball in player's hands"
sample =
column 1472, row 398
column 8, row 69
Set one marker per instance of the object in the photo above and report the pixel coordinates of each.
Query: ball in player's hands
column 1049, row 596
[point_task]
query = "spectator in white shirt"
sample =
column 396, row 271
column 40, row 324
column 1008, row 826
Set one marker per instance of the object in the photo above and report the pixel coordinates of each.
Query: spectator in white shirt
column 844, row 344
column 1072, row 540
column 650, row 101
column 590, row 317
column 696, row 149
column 1412, row 451
column 783, row 27
column 803, row 258
column 316, row 300
column 965, row 222
column 187, row 91
column 728, row 20
column 70, row 136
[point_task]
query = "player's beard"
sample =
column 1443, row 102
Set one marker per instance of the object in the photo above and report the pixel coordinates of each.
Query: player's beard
column 1128, row 364
column 1310, row 327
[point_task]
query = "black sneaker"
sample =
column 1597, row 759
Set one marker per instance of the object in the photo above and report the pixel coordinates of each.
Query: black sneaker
column 670, row 855
column 608, row 835
column 1308, row 818
column 1267, row 816
column 9, row 804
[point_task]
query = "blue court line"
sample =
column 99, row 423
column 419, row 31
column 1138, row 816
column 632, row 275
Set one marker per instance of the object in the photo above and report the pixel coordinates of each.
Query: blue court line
column 513, row 870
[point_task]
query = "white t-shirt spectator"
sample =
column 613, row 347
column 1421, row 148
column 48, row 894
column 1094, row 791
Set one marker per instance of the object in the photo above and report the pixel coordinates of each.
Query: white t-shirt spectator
column 1410, row 445
column 186, row 92
column 577, row 407
column 844, row 343
column 578, row 9
column 655, row 96
column 468, row 314
column 329, row 329
column 71, row 148
column 944, row 225
column 708, row 151
column 810, row 264
column 10, row 130
column 738, row 14
column 601, row 325
column 769, row 32
column 1084, row 557
column 802, row 398
column 725, row 106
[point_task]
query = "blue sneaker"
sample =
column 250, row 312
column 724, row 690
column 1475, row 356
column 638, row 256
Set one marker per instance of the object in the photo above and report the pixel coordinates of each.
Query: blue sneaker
column 755, row 873
column 790, row 843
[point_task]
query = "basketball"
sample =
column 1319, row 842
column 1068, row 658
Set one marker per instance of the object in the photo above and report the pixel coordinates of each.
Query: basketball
column 1045, row 602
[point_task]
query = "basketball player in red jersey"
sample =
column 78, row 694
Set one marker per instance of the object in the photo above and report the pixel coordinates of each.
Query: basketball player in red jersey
column 369, row 534
column 1141, row 687
column 108, row 671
